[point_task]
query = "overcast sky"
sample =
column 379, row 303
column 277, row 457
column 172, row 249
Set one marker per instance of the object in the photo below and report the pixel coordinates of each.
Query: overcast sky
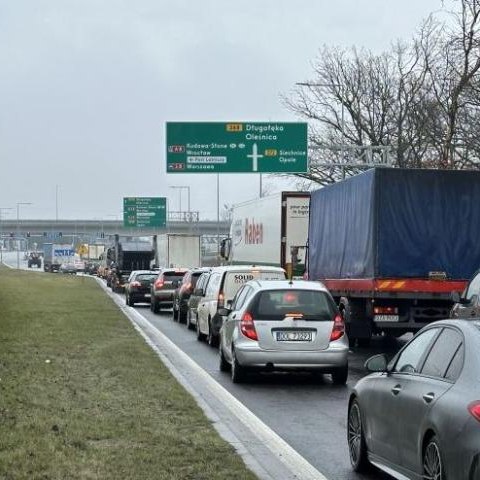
column 86, row 87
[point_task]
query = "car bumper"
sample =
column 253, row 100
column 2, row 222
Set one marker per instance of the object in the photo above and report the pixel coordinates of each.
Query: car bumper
column 253, row 356
column 164, row 296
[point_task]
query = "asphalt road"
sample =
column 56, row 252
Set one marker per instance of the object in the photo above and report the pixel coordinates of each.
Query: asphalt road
column 307, row 411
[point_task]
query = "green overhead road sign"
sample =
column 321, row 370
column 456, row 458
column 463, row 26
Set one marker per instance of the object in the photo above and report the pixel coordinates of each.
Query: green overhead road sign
column 144, row 212
column 236, row 147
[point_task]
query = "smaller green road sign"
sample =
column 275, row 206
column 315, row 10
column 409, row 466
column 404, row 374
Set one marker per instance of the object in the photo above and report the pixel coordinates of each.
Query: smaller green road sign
column 236, row 147
column 144, row 212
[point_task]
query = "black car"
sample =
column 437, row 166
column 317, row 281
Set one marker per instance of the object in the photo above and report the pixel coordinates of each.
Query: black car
column 194, row 298
column 137, row 288
column 419, row 415
column 183, row 293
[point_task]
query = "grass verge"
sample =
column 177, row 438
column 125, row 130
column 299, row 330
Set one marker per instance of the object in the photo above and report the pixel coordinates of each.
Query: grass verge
column 83, row 397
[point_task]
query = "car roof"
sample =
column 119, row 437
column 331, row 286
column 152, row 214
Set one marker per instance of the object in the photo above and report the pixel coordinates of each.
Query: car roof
column 288, row 284
column 144, row 271
column 243, row 268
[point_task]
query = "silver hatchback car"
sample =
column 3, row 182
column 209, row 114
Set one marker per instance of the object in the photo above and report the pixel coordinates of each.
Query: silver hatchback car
column 283, row 325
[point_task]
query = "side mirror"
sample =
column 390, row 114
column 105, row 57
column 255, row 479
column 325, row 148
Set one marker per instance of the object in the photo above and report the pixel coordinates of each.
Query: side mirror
column 229, row 304
column 198, row 292
column 455, row 297
column 224, row 312
column 377, row 363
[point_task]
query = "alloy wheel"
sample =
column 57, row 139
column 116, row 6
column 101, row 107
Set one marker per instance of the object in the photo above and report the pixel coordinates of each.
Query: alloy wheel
column 354, row 434
column 432, row 462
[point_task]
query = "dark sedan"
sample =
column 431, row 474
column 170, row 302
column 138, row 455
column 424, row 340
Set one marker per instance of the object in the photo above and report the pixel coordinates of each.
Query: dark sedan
column 137, row 288
column 419, row 416
column 183, row 293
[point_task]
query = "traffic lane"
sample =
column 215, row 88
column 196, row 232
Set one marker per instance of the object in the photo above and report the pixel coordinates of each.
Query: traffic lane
column 306, row 410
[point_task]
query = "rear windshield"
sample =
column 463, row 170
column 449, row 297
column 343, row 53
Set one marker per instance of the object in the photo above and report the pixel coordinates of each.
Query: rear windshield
column 306, row 304
column 172, row 276
column 234, row 280
column 146, row 277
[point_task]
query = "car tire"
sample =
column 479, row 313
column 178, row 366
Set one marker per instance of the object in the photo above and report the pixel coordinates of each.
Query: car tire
column 200, row 335
column 340, row 375
column 182, row 316
column 432, row 460
column 356, row 440
column 174, row 313
column 223, row 364
column 236, row 370
column 155, row 307
column 212, row 339
column 127, row 301
column 187, row 320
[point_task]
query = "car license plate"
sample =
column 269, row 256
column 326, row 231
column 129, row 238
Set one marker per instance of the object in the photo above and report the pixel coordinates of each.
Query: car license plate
column 386, row 318
column 294, row 336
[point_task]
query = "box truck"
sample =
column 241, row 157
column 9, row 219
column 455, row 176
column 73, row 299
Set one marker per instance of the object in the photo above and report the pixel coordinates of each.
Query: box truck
column 54, row 254
column 177, row 250
column 270, row 230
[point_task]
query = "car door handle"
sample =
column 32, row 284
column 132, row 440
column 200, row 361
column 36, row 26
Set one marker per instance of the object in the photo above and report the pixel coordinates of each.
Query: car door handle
column 234, row 316
column 428, row 397
column 396, row 389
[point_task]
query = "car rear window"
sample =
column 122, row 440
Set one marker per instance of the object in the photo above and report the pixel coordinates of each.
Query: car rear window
column 172, row 276
column 306, row 304
column 146, row 277
column 234, row 280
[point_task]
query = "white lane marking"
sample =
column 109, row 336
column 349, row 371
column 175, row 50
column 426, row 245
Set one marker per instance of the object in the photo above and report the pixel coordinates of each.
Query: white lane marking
column 281, row 450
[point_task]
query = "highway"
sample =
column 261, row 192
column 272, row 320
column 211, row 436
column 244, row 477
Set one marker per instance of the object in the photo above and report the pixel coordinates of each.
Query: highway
column 306, row 410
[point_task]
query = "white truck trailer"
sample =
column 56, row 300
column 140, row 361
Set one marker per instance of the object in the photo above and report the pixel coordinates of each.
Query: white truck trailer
column 55, row 254
column 177, row 250
column 268, row 230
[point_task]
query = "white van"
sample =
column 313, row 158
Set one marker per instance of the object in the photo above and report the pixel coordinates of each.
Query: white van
column 222, row 286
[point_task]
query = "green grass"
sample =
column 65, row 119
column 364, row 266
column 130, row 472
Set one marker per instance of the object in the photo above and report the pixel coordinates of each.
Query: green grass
column 83, row 397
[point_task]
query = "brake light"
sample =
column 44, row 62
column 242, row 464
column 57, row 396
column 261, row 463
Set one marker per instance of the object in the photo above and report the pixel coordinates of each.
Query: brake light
column 474, row 409
column 338, row 329
column 159, row 283
column 220, row 300
column 385, row 310
column 247, row 327
column 135, row 284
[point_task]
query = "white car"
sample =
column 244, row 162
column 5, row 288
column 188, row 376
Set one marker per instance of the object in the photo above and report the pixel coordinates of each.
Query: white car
column 223, row 284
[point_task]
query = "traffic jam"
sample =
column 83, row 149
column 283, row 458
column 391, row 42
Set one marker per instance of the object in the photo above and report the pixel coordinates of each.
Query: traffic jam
column 343, row 317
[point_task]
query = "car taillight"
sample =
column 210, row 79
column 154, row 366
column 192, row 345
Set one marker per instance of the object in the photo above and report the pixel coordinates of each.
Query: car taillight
column 159, row 283
column 338, row 329
column 135, row 284
column 247, row 327
column 474, row 409
column 221, row 300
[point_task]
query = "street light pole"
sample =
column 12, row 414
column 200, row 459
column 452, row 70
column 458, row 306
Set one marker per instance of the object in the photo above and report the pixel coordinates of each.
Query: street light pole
column 180, row 188
column 2, row 209
column 18, row 231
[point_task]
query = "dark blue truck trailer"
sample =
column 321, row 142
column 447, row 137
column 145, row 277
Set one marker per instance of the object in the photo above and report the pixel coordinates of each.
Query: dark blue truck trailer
column 392, row 245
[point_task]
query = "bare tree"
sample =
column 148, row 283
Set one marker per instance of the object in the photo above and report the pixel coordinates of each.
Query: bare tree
column 421, row 98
